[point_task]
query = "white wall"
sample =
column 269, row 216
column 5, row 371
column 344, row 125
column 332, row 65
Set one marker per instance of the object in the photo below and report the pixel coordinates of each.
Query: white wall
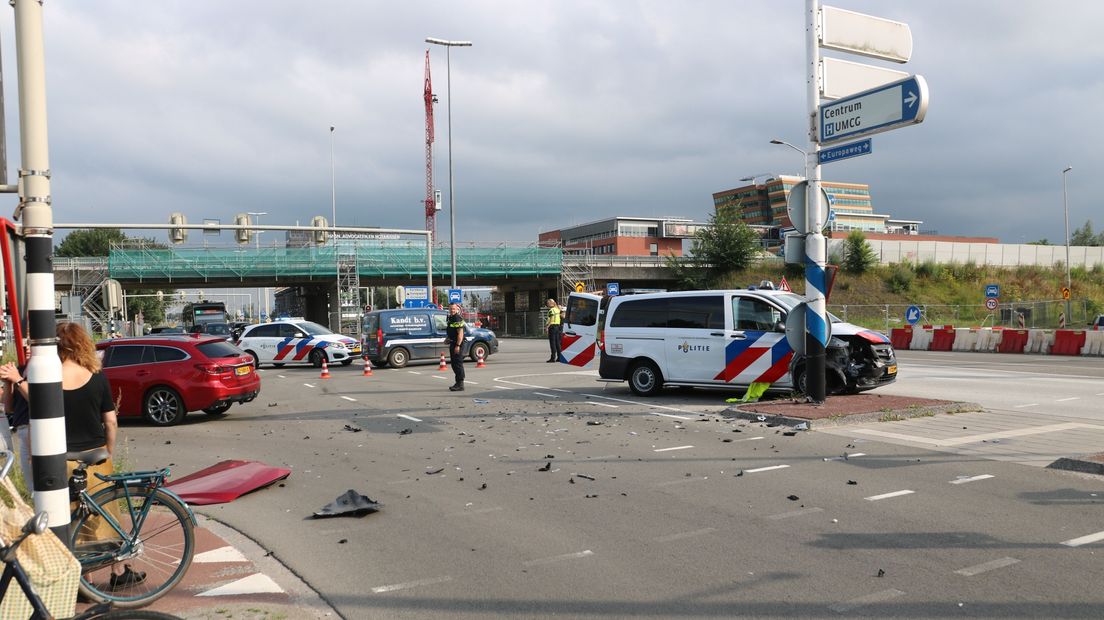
column 1004, row 254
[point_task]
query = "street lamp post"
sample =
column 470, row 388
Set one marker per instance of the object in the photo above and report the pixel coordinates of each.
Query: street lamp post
column 452, row 200
column 802, row 151
column 262, row 293
column 336, row 320
column 1069, row 284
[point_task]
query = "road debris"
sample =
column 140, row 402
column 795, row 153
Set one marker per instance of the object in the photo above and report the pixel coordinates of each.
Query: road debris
column 435, row 470
column 352, row 428
column 405, row 431
column 348, row 504
column 793, row 498
column 585, row 477
column 547, row 467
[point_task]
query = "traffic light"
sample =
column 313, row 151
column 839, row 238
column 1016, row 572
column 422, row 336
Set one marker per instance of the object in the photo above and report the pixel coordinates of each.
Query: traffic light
column 177, row 235
column 320, row 223
column 242, row 234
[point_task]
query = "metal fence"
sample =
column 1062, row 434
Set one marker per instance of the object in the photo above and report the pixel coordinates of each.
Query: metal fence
column 1044, row 314
column 517, row 324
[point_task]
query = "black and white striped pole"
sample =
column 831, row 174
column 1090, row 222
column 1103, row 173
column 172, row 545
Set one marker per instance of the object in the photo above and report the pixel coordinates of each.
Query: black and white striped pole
column 51, row 492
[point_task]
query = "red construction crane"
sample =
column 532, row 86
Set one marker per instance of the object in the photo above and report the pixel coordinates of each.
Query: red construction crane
column 430, row 199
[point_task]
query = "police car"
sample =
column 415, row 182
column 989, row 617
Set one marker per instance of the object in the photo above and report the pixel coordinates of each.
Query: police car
column 728, row 338
column 296, row 341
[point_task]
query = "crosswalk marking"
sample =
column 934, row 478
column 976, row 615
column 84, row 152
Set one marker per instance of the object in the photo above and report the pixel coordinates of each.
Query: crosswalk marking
column 258, row 583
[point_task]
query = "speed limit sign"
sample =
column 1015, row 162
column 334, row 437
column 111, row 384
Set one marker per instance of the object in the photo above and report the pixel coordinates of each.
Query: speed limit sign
column 991, row 303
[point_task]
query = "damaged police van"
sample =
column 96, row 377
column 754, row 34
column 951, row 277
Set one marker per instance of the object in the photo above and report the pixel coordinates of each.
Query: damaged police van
column 728, row 338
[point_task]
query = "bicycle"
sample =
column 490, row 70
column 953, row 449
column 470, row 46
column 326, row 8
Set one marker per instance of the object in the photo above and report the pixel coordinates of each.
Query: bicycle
column 134, row 523
column 36, row 525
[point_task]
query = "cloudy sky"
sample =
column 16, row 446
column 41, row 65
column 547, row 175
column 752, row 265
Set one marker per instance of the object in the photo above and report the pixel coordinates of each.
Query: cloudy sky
column 564, row 111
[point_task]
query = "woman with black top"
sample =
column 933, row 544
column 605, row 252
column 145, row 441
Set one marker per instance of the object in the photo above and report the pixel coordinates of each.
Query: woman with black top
column 90, row 418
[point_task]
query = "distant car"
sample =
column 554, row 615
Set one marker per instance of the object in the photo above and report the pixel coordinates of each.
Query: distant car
column 237, row 328
column 296, row 341
column 214, row 329
column 399, row 336
column 1098, row 323
column 164, row 377
column 167, row 329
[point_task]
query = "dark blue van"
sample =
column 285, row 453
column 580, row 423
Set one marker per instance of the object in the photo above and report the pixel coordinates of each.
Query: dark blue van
column 403, row 335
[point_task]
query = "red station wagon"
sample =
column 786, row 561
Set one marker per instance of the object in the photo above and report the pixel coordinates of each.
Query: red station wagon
column 164, row 377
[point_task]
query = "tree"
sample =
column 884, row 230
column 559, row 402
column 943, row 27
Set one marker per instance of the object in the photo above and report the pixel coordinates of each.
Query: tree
column 1084, row 236
column 97, row 242
column 858, row 256
column 94, row 242
column 725, row 245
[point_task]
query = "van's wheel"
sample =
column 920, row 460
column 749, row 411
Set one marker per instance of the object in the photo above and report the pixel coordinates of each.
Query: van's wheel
column 799, row 380
column 475, row 351
column 644, row 379
column 398, row 357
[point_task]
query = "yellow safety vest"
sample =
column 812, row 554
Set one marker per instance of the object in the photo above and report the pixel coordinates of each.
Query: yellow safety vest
column 554, row 315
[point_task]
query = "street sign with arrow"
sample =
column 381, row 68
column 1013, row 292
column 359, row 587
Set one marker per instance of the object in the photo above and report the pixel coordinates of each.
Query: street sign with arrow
column 887, row 107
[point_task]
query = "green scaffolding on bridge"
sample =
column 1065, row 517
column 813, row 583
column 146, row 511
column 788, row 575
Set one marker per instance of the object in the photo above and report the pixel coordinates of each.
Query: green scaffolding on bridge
column 378, row 259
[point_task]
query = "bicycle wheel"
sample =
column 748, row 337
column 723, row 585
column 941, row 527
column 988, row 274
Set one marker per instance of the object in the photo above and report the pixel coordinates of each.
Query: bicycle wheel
column 153, row 558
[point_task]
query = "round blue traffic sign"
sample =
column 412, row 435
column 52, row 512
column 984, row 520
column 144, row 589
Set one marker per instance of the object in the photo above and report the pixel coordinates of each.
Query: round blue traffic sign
column 912, row 315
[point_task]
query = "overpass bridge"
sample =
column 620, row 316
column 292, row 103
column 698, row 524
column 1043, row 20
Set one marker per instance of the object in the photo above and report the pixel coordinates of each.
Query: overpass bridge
column 320, row 271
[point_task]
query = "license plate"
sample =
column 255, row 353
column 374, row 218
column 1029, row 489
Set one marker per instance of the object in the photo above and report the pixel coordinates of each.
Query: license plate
column 355, row 350
column 891, row 370
column 243, row 370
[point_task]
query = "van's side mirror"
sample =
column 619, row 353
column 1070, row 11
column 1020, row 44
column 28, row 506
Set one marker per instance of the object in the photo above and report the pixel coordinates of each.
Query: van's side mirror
column 299, row 335
column 780, row 327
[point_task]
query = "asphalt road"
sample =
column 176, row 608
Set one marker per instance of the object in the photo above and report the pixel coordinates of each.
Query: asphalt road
column 560, row 496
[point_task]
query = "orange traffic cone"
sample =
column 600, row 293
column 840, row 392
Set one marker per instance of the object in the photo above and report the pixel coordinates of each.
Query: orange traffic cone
column 442, row 366
column 367, row 367
column 479, row 359
column 325, row 370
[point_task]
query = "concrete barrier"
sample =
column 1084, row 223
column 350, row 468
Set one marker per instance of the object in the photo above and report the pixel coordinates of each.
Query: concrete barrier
column 1039, row 340
column 921, row 338
column 966, row 339
column 1094, row 343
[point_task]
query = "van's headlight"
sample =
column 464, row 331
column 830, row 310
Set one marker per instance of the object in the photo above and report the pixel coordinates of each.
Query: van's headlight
column 338, row 345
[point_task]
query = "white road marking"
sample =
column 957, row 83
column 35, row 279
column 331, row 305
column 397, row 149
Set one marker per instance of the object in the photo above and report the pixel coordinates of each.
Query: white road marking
column 472, row 382
column 414, row 372
column 971, row 479
column 759, row 469
column 281, row 376
column 559, row 390
column 877, row 597
column 1027, row 405
column 985, row 567
column 222, row 554
column 499, row 387
column 1062, row 400
column 410, row 584
column 409, row 417
column 1100, row 393
column 749, row 439
column 352, row 400
column 440, row 377
column 795, row 513
column 874, row 498
column 1020, row 432
column 670, row 449
column 548, row 395
column 559, row 558
column 1084, row 540
column 310, row 385
column 254, row 584
column 607, row 405
column 682, row 535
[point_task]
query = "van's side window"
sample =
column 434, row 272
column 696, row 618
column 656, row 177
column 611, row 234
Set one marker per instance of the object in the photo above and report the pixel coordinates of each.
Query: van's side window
column 582, row 311
column 440, row 323
column 641, row 313
column 705, row 312
column 754, row 315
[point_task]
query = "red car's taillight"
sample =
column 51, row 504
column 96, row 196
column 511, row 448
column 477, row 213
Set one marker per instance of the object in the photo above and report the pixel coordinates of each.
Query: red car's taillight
column 212, row 369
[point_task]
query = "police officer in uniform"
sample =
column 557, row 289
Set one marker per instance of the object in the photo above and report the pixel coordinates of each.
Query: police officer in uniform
column 554, row 327
column 455, row 340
